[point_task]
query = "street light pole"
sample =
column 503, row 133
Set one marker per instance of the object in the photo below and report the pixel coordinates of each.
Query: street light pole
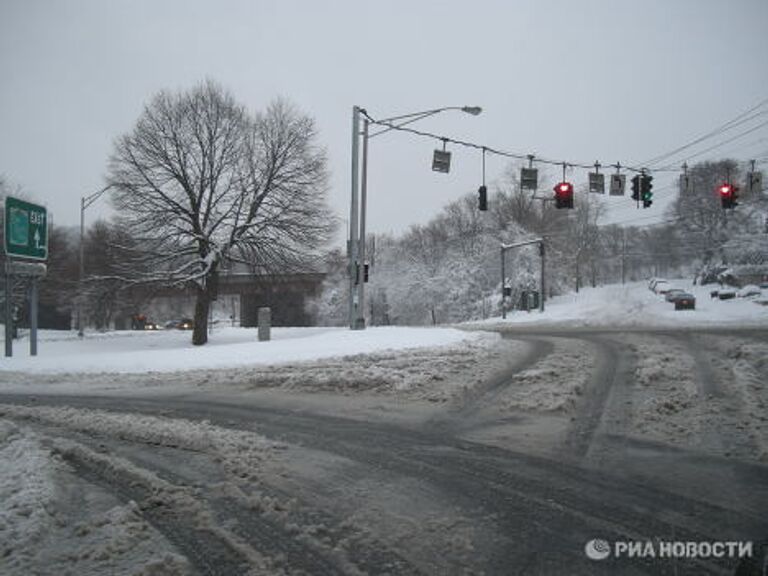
column 360, row 321
column 357, row 232
column 85, row 202
column 81, row 269
column 352, row 247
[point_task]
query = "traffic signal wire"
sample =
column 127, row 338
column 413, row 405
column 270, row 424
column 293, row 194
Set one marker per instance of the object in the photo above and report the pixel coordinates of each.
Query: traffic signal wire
column 743, row 118
column 504, row 153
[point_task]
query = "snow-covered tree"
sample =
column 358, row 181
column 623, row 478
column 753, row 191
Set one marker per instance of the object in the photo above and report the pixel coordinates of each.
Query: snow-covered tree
column 200, row 183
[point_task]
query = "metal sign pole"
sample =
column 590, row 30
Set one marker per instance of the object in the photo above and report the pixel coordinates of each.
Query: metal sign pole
column 8, row 309
column 543, row 287
column 33, row 318
column 503, row 283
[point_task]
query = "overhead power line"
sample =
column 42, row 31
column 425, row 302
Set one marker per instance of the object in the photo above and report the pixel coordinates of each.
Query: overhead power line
column 742, row 118
column 728, row 141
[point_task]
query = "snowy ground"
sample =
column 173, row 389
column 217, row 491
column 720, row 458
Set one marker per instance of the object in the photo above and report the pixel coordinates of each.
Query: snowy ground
column 415, row 363
column 397, row 459
column 168, row 351
column 634, row 305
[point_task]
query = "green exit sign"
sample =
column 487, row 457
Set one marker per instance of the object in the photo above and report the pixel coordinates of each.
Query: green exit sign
column 26, row 229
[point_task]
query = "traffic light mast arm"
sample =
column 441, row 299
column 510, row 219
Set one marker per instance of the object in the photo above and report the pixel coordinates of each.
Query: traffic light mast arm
column 519, row 244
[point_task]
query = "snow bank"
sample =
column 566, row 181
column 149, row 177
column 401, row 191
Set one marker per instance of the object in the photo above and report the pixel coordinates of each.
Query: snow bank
column 634, row 305
column 26, row 493
column 167, row 351
column 555, row 383
column 241, row 452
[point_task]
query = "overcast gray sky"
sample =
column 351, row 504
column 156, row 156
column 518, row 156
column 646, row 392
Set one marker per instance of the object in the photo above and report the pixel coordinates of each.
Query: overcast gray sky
column 573, row 80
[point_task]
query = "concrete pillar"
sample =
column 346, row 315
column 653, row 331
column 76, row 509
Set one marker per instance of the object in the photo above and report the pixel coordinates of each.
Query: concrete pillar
column 265, row 323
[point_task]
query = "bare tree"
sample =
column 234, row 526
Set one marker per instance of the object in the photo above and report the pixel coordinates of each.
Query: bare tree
column 201, row 184
column 701, row 219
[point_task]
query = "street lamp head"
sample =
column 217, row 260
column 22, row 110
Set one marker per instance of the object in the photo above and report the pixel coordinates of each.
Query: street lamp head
column 474, row 110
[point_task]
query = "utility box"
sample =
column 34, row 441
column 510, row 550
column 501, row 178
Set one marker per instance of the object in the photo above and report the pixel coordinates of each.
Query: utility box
column 265, row 324
column 529, row 300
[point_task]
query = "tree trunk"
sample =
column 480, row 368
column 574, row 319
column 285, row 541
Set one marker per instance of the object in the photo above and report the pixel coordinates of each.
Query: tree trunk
column 203, row 301
column 578, row 276
column 202, row 304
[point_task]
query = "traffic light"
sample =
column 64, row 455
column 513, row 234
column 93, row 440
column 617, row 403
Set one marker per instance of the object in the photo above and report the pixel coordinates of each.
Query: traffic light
column 646, row 183
column 636, row 187
column 482, row 197
column 727, row 196
column 366, row 268
column 564, row 195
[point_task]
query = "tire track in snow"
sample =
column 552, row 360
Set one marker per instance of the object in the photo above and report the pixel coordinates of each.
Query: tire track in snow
column 609, row 380
column 262, row 517
column 533, row 502
column 483, row 395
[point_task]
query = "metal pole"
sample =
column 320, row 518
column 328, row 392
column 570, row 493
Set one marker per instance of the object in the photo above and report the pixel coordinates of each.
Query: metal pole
column 751, row 177
column 8, row 309
column 543, row 288
column 33, row 317
column 503, row 281
column 353, row 271
column 360, row 322
column 623, row 255
column 79, row 304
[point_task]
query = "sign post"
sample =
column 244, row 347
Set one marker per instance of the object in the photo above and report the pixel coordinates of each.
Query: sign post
column 26, row 237
column 8, row 309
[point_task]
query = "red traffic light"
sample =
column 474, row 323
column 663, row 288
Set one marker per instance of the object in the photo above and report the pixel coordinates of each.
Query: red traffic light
column 564, row 195
column 726, row 189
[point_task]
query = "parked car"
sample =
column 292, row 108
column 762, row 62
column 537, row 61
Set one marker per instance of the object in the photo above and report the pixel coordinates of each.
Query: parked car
column 749, row 290
column 672, row 292
column 683, row 300
column 662, row 287
column 726, row 294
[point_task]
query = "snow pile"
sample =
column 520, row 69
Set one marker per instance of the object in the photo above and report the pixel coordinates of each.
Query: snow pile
column 430, row 373
column 555, row 383
column 26, row 494
column 166, row 351
column 634, row 304
column 242, row 453
column 116, row 541
column 667, row 406
column 435, row 374
column 750, row 370
column 51, row 524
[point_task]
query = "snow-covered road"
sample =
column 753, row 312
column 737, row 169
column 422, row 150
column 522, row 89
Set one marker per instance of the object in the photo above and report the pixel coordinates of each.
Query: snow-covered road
column 561, row 438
